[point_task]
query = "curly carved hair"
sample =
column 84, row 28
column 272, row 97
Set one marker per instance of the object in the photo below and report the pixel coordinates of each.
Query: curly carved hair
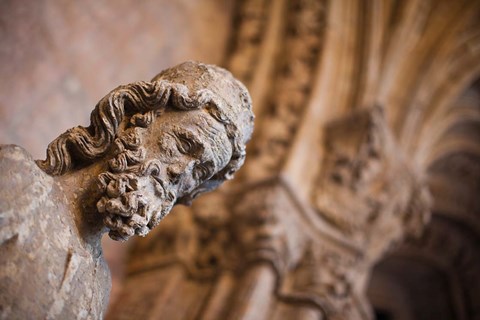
column 188, row 86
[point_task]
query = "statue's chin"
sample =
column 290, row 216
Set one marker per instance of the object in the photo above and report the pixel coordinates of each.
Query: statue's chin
column 124, row 226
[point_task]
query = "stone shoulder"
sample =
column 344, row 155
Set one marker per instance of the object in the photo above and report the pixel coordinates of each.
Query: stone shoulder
column 23, row 188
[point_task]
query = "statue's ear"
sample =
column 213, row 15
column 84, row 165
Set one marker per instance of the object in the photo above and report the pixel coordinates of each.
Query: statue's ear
column 207, row 186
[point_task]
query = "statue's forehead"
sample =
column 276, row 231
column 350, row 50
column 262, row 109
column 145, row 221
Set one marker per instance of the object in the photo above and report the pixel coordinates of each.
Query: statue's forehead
column 195, row 120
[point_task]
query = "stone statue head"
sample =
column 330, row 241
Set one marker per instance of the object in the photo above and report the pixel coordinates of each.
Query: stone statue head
column 165, row 142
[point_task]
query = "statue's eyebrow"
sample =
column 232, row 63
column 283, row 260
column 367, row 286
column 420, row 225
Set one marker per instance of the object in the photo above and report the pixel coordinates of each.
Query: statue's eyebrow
column 189, row 142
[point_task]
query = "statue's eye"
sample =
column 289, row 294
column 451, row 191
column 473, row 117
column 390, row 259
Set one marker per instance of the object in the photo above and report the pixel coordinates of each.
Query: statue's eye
column 202, row 172
column 187, row 144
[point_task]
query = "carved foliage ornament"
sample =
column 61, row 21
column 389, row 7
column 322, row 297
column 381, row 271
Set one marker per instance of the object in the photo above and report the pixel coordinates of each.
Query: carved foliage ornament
column 167, row 140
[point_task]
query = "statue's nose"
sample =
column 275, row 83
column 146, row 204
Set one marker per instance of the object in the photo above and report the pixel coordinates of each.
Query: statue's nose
column 176, row 171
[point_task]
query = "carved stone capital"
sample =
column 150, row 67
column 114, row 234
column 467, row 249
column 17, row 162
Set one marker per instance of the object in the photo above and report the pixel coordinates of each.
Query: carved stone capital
column 325, row 277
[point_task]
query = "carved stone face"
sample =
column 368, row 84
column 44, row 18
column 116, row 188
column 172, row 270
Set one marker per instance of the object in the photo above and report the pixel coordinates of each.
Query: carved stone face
column 192, row 147
column 184, row 149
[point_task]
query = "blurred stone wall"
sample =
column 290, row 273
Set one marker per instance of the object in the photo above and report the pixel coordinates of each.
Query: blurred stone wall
column 58, row 58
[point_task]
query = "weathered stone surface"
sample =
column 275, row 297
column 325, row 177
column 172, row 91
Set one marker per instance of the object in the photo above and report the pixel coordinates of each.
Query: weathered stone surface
column 150, row 146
